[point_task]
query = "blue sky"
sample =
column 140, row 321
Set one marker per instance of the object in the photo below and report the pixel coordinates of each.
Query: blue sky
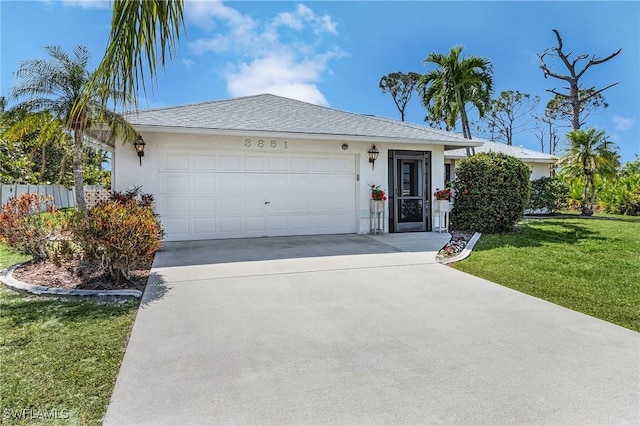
column 334, row 53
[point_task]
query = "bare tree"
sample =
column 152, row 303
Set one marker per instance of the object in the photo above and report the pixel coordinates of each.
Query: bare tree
column 401, row 87
column 576, row 97
column 509, row 114
column 547, row 131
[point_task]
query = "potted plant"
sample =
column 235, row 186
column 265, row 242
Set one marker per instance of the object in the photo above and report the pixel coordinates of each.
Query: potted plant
column 442, row 199
column 378, row 197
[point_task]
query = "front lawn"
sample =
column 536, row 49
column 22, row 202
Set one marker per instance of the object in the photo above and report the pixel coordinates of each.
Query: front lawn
column 9, row 257
column 58, row 358
column 588, row 265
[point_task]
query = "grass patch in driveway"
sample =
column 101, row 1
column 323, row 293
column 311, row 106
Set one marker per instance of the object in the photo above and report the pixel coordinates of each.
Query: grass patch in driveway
column 588, row 265
column 58, row 357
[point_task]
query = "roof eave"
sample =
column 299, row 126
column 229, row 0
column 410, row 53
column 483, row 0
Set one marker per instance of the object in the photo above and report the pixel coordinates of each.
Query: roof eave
column 527, row 160
column 449, row 144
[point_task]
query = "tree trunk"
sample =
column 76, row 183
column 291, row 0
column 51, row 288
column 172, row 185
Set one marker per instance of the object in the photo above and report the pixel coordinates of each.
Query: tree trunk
column 587, row 209
column 43, row 162
column 77, row 169
column 63, row 168
column 575, row 104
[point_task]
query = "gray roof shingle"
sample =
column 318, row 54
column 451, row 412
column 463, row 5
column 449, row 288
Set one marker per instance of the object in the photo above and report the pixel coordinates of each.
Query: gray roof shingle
column 523, row 154
column 270, row 113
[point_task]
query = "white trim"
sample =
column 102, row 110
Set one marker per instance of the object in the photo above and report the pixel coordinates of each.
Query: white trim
column 304, row 136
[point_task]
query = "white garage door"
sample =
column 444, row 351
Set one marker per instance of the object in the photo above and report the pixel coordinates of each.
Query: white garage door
column 209, row 195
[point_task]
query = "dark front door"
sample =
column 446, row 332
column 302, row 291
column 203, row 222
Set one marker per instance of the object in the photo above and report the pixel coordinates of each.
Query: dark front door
column 410, row 174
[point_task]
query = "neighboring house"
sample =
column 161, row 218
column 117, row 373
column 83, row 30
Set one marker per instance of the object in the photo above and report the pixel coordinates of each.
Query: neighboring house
column 270, row 166
column 541, row 164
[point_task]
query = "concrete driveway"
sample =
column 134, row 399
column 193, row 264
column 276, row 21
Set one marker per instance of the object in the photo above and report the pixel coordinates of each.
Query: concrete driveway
column 358, row 330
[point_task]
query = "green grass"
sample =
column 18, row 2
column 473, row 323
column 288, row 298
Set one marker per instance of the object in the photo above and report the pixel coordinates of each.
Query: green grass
column 9, row 257
column 58, row 355
column 588, row 265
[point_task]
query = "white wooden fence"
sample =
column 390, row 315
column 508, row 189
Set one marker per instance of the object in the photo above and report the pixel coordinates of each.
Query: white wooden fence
column 62, row 197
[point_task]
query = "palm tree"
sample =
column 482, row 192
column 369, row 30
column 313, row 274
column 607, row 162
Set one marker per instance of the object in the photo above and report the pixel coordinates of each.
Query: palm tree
column 142, row 32
column 589, row 154
column 57, row 85
column 44, row 130
column 447, row 90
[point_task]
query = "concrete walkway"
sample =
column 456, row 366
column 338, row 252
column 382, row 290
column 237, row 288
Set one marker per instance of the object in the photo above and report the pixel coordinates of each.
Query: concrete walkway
column 353, row 330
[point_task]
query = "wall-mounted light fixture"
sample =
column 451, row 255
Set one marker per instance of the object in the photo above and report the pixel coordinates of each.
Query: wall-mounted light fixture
column 373, row 156
column 139, row 146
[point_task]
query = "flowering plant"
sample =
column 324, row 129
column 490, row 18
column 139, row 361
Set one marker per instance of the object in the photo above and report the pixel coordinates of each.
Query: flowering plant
column 443, row 194
column 377, row 193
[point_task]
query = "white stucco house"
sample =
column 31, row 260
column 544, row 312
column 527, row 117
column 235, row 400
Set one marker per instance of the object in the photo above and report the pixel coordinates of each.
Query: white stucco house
column 271, row 166
column 541, row 164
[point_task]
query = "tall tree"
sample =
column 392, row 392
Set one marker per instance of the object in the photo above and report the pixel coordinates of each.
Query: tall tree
column 589, row 154
column 559, row 108
column 456, row 82
column 401, row 87
column 547, row 130
column 509, row 114
column 578, row 96
column 57, row 85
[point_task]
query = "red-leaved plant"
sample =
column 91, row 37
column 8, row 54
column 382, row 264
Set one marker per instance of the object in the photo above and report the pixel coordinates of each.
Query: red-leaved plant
column 377, row 193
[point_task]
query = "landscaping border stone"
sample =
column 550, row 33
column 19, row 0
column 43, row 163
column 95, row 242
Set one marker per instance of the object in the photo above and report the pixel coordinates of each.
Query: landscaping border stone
column 463, row 254
column 6, row 277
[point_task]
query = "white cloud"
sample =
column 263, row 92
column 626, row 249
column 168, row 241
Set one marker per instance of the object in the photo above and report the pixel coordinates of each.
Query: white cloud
column 623, row 123
column 88, row 4
column 284, row 55
column 280, row 74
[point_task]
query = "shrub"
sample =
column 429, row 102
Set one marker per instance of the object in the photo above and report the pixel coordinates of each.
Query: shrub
column 121, row 234
column 25, row 228
column 491, row 193
column 621, row 196
column 548, row 194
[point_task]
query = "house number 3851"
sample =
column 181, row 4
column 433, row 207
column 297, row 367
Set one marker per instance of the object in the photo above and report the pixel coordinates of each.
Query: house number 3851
column 261, row 143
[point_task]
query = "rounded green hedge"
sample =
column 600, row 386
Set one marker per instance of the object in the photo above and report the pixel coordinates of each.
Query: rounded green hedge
column 491, row 193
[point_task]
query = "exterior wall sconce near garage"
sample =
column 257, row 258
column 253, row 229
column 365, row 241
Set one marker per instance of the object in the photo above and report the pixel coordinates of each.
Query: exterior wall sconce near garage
column 139, row 146
column 373, row 156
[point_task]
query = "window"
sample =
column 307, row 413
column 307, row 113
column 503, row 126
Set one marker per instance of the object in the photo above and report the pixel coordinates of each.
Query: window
column 447, row 175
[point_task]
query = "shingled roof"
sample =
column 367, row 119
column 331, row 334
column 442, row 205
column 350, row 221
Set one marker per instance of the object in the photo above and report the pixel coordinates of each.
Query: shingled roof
column 524, row 154
column 276, row 114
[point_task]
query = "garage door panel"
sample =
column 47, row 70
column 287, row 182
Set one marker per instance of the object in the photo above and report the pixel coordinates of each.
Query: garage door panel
column 277, row 223
column 254, row 163
column 299, row 164
column 229, row 225
column 228, row 162
column 204, row 226
column 173, row 205
column 252, row 204
column 299, row 222
column 229, row 183
column 321, row 165
column 202, row 161
column 229, row 205
column 276, row 184
column 277, row 163
column 174, row 182
column 176, row 227
column 208, row 194
column 253, row 224
column 175, row 161
column 203, row 204
column 344, row 165
column 253, row 184
column 203, row 183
